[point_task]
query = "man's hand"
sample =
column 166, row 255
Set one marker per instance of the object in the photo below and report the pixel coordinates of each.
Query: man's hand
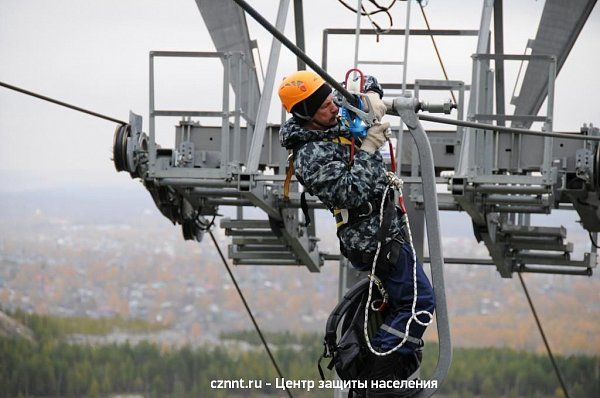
column 379, row 107
column 375, row 138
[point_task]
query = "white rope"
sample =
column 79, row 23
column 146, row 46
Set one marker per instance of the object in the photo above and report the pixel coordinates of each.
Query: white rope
column 395, row 182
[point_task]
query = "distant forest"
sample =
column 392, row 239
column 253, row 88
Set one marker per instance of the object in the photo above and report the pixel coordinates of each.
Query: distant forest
column 51, row 367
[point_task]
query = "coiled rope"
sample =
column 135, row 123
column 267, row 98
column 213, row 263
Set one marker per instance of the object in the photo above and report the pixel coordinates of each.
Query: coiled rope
column 395, row 182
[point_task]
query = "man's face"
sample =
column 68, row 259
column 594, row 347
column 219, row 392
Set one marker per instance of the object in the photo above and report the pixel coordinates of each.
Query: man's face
column 326, row 115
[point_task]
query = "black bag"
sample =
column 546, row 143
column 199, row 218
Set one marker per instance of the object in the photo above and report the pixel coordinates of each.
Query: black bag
column 349, row 352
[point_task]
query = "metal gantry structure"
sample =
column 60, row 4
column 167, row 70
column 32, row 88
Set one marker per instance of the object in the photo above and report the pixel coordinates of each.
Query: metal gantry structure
column 498, row 175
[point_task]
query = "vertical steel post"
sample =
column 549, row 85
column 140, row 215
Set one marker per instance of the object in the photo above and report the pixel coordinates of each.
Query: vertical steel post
column 152, row 134
column 324, row 50
column 489, row 135
column 406, row 37
column 549, row 141
column 299, row 25
column 238, row 92
column 460, row 115
column 465, row 161
column 225, row 110
column 265, row 98
column 250, row 111
column 400, row 135
column 237, row 134
column 499, row 62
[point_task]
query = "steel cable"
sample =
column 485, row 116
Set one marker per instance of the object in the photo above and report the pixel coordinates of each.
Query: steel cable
column 237, row 287
column 539, row 325
column 54, row 101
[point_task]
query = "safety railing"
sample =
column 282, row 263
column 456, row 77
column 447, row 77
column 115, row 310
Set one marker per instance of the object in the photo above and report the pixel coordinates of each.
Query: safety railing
column 230, row 143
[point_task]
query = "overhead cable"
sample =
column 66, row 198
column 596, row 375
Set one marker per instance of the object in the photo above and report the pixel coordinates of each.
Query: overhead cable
column 594, row 243
column 539, row 325
column 369, row 14
column 484, row 126
column 54, row 101
column 237, row 287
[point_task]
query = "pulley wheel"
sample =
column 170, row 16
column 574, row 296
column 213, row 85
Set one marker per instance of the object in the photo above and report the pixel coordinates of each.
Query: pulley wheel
column 120, row 147
column 188, row 228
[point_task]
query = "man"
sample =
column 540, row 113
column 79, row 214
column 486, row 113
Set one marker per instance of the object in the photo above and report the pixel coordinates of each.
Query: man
column 350, row 182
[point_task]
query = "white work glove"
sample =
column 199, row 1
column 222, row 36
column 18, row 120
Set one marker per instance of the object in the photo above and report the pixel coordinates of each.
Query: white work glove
column 375, row 138
column 379, row 107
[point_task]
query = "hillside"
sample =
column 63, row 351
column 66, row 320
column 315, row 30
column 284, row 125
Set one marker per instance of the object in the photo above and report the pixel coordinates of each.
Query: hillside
column 10, row 327
column 108, row 252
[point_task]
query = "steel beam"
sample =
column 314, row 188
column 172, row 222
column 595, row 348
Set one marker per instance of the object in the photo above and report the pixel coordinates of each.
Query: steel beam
column 466, row 161
column 499, row 67
column 265, row 99
column 559, row 27
column 229, row 32
column 299, row 25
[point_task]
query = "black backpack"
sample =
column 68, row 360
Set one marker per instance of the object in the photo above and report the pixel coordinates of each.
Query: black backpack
column 344, row 339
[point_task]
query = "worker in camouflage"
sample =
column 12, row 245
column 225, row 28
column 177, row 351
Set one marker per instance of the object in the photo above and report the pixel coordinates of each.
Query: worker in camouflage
column 353, row 180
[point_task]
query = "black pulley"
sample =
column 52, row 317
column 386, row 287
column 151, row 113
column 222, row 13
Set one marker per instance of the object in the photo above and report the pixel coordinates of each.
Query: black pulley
column 120, row 147
column 188, row 228
column 191, row 230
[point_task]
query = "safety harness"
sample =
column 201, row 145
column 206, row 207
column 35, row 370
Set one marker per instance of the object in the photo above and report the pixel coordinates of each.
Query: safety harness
column 343, row 217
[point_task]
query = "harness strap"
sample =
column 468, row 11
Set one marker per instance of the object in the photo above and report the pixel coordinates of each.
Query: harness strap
column 349, row 217
column 290, row 167
column 339, row 140
column 304, row 207
column 288, row 176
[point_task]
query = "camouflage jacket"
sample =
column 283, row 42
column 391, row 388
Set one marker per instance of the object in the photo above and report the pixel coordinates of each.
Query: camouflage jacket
column 325, row 170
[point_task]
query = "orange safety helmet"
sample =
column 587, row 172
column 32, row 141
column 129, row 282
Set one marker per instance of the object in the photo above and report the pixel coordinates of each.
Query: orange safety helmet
column 300, row 86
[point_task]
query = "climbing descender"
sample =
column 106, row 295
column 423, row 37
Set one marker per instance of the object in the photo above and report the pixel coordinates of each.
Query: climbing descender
column 353, row 116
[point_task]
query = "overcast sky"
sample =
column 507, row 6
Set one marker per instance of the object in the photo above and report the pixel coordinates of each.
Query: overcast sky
column 94, row 54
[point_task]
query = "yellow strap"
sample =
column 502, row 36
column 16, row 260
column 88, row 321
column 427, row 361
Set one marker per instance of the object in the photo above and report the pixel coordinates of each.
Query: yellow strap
column 340, row 140
column 288, row 178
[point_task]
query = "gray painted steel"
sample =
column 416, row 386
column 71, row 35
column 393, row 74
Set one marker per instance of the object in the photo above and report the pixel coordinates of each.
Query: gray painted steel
column 558, row 30
column 265, row 99
column 299, row 26
column 228, row 29
column 405, row 108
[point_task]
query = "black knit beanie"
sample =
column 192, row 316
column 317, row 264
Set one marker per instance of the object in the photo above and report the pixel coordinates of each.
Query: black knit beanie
column 306, row 109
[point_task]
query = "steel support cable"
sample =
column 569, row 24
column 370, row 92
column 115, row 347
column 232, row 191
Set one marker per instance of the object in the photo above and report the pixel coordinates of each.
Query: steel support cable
column 594, row 243
column 43, row 97
column 237, row 287
column 435, row 47
column 539, row 325
column 518, row 74
column 484, row 126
